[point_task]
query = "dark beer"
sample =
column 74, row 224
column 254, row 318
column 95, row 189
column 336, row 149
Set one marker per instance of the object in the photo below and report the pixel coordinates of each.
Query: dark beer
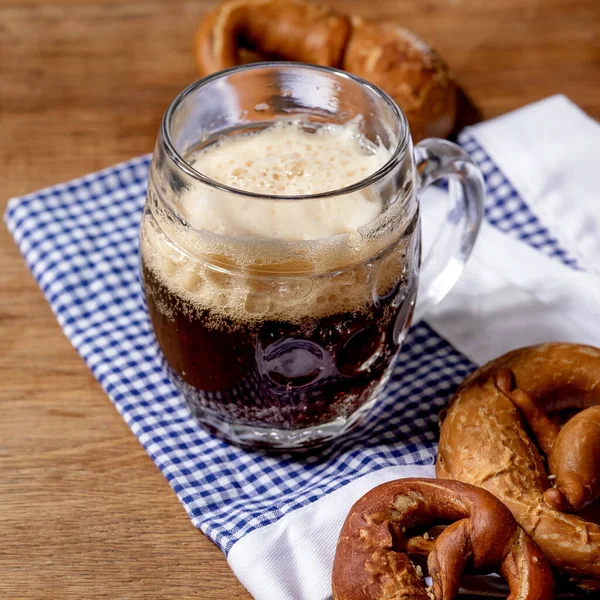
column 289, row 375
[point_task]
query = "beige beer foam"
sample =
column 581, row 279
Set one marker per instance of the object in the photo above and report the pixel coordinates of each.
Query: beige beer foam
column 249, row 258
column 286, row 160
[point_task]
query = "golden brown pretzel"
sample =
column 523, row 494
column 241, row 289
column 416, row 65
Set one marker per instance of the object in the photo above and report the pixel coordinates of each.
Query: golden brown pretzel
column 372, row 557
column 484, row 442
column 391, row 57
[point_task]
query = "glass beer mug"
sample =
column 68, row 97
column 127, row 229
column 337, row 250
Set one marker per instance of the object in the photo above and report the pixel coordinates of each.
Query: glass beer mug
column 280, row 247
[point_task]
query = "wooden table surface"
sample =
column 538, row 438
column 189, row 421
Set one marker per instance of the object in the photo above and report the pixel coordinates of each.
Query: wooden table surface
column 84, row 513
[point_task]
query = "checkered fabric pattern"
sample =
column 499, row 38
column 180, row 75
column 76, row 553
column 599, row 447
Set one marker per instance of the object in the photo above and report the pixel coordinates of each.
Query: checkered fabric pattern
column 507, row 211
column 80, row 240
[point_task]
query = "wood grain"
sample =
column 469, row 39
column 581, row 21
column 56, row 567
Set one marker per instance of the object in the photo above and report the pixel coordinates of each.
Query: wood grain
column 84, row 513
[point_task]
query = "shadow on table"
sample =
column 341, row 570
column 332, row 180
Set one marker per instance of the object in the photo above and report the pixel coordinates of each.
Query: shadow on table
column 468, row 114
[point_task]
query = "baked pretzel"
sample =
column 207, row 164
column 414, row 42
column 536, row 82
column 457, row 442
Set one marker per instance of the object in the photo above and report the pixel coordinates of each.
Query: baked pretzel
column 242, row 31
column 372, row 560
column 485, row 441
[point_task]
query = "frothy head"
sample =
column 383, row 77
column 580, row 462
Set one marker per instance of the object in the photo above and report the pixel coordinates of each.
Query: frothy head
column 248, row 257
column 287, row 160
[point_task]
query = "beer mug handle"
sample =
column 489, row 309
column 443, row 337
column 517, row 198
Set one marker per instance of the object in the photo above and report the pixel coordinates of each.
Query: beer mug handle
column 436, row 159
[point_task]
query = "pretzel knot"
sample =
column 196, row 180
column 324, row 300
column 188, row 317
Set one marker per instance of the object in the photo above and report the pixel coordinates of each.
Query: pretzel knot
column 243, row 31
column 485, row 440
column 372, row 557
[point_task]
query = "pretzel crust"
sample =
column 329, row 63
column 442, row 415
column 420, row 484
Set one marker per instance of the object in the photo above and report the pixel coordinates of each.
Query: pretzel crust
column 372, row 562
column 411, row 72
column 288, row 29
column 484, row 442
column 575, row 461
column 241, row 31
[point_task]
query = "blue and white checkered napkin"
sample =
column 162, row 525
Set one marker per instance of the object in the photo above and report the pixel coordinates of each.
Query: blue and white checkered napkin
column 268, row 514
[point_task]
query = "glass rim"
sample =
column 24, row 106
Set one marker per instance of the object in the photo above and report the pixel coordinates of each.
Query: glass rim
column 395, row 157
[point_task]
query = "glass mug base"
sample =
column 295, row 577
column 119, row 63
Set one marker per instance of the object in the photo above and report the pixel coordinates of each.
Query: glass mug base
column 256, row 436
